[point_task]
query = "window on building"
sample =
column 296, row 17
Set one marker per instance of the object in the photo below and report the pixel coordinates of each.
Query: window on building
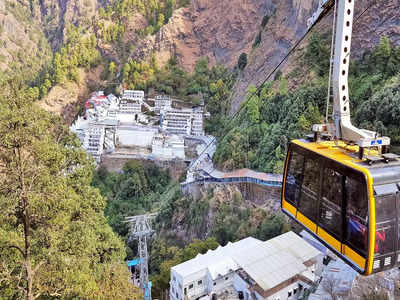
column 173, row 277
column 177, row 297
column 226, row 278
column 190, row 286
column 215, row 283
column 294, row 291
column 200, row 282
column 289, row 294
column 185, row 291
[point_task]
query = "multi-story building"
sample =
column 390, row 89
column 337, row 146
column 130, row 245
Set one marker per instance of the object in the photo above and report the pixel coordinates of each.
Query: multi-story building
column 186, row 121
column 131, row 102
column 113, row 108
column 197, row 121
column 93, row 141
column 133, row 95
column 281, row 268
column 162, row 102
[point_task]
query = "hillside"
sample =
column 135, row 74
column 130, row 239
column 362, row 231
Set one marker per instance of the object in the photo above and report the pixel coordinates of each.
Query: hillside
column 288, row 25
column 220, row 30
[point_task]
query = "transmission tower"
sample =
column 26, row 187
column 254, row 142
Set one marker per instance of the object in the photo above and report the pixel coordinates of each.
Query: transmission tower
column 140, row 229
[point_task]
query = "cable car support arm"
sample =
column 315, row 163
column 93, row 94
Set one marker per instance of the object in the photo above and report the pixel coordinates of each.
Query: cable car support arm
column 342, row 127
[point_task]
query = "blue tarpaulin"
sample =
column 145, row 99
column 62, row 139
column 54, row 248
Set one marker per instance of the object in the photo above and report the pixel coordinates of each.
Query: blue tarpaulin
column 132, row 263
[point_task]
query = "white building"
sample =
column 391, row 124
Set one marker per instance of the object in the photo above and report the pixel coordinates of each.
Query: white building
column 186, row 121
column 162, row 102
column 131, row 102
column 281, row 268
column 113, row 109
column 96, row 128
column 197, row 121
column 94, row 141
column 168, row 146
column 133, row 95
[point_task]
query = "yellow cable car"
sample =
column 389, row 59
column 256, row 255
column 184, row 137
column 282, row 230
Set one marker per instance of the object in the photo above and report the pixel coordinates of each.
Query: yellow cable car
column 346, row 200
column 350, row 205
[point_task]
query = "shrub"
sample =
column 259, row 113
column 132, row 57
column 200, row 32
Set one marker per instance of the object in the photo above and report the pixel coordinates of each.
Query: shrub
column 242, row 61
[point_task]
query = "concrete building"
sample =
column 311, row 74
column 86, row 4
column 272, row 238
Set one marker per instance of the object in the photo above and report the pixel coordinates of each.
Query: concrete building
column 162, row 102
column 186, row 121
column 94, row 141
column 133, row 95
column 96, row 129
column 280, row 268
column 113, row 109
column 197, row 121
column 131, row 102
column 168, row 146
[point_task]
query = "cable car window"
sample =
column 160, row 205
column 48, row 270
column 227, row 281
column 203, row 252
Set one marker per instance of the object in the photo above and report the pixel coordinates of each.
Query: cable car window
column 356, row 215
column 309, row 190
column 330, row 214
column 294, row 177
column 385, row 212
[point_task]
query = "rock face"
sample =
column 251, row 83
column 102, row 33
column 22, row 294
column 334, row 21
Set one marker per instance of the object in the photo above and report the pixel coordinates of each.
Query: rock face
column 253, row 197
column 54, row 15
column 288, row 25
column 220, row 30
column 22, row 42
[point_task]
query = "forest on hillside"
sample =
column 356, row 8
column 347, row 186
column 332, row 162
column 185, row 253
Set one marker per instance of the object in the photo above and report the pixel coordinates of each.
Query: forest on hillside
column 273, row 115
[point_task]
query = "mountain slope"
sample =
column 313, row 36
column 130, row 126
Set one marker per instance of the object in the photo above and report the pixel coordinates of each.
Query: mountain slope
column 220, row 30
column 288, row 25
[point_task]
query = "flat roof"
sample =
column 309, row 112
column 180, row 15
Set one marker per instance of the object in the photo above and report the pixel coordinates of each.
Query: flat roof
column 268, row 263
column 276, row 260
column 213, row 257
column 253, row 174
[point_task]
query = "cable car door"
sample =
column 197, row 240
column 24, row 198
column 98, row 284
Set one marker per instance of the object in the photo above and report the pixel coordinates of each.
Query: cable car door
column 387, row 210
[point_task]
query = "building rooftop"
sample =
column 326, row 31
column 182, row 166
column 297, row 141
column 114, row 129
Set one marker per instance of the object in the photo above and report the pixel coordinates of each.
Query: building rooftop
column 253, row 174
column 268, row 263
column 214, row 258
column 276, row 260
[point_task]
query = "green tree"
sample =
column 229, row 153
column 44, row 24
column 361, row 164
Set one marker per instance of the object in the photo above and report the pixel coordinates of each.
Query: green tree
column 54, row 239
column 253, row 105
column 242, row 61
column 111, row 70
column 257, row 41
column 264, row 21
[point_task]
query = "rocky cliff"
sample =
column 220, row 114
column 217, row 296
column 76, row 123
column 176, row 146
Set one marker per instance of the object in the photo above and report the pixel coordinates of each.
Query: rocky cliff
column 288, row 25
column 207, row 207
column 23, row 45
column 30, row 30
column 220, row 30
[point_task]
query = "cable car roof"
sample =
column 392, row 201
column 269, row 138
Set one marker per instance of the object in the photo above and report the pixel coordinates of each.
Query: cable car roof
column 381, row 172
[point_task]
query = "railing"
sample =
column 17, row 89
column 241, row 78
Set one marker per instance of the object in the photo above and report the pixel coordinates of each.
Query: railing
column 269, row 183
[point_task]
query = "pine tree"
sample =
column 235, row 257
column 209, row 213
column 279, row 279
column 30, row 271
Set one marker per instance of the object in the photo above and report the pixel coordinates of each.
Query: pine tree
column 242, row 61
column 55, row 242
